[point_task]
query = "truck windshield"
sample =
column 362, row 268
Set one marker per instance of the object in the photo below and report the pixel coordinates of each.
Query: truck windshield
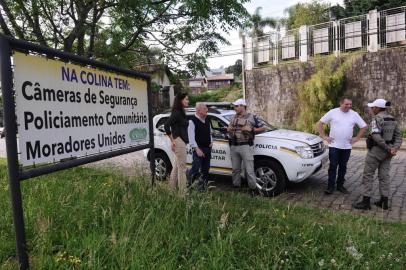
column 268, row 127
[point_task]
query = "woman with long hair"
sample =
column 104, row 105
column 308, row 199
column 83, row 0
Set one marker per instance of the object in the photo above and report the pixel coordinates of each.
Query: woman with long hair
column 176, row 128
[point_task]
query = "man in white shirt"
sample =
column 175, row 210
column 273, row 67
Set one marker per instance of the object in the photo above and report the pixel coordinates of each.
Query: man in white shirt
column 342, row 121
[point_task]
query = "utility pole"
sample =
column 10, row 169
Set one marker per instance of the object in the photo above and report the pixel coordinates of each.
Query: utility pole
column 244, row 54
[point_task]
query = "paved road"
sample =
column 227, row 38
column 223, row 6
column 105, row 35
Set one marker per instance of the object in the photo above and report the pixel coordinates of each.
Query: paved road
column 309, row 192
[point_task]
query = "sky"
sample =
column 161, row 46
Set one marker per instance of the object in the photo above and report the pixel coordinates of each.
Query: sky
column 270, row 8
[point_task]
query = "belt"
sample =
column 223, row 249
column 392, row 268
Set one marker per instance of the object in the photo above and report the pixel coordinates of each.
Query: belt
column 390, row 142
column 203, row 146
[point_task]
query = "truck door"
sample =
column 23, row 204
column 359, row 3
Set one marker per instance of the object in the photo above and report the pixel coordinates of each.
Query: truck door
column 220, row 154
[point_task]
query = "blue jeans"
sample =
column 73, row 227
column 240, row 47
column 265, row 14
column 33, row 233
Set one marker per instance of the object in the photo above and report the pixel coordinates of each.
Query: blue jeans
column 338, row 158
column 201, row 164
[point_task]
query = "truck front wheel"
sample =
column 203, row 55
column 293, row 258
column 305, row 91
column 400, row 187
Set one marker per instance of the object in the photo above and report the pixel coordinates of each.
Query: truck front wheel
column 271, row 179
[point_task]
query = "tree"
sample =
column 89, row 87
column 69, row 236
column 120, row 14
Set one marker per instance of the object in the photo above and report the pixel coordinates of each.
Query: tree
column 235, row 69
column 258, row 23
column 307, row 14
column 122, row 32
column 359, row 7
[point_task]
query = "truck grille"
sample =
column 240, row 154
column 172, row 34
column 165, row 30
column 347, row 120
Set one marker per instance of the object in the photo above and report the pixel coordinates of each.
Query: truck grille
column 318, row 149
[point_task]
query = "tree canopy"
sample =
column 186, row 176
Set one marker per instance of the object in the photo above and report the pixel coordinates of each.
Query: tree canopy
column 235, row 69
column 318, row 12
column 258, row 23
column 358, row 7
column 122, row 32
column 307, row 14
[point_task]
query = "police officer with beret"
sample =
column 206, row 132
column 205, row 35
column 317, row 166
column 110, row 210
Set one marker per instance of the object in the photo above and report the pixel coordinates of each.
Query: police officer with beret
column 383, row 142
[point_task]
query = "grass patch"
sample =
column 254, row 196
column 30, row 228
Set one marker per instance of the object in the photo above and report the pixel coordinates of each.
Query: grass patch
column 84, row 218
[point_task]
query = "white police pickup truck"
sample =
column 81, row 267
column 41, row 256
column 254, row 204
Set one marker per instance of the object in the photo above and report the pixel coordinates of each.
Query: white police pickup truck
column 280, row 155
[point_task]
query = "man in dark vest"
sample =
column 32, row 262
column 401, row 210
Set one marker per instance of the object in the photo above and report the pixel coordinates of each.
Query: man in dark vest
column 242, row 130
column 200, row 141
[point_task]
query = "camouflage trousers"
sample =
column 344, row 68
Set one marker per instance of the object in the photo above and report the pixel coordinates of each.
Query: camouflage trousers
column 376, row 158
column 243, row 154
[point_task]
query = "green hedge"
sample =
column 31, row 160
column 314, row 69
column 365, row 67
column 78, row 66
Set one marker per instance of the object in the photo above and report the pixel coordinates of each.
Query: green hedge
column 322, row 91
column 230, row 93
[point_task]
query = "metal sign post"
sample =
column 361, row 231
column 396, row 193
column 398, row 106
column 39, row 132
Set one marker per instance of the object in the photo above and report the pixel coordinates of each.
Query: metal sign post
column 151, row 137
column 24, row 164
column 12, row 156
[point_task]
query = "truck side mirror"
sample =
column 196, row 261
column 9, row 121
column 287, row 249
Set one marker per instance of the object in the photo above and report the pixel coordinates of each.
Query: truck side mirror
column 161, row 128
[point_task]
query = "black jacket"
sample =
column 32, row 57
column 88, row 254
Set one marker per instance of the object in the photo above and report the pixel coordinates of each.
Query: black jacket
column 176, row 125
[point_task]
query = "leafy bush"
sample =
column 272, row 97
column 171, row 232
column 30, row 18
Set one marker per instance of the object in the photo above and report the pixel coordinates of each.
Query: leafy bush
column 155, row 87
column 322, row 91
column 230, row 93
column 403, row 131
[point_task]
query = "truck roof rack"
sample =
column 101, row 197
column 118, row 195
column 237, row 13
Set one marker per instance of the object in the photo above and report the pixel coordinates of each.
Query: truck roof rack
column 211, row 110
column 214, row 107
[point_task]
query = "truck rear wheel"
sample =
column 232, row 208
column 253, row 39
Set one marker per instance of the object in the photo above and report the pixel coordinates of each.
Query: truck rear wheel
column 271, row 179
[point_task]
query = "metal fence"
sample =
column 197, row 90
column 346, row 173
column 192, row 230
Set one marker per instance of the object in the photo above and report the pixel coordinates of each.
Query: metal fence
column 353, row 33
column 320, row 39
column 391, row 24
column 368, row 32
column 289, row 46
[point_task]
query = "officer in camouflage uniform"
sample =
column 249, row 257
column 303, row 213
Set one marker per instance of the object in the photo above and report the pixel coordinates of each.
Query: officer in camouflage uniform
column 241, row 132
column 382, row 143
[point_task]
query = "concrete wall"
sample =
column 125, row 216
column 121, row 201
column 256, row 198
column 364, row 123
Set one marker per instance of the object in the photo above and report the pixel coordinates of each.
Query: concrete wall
column 272, row 91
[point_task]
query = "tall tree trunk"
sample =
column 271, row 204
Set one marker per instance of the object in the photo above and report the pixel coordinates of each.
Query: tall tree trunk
column 11, row 18
column 83, row 10
column 4, row 26
column 93, row 27
column 80, row 50
column 33, row 20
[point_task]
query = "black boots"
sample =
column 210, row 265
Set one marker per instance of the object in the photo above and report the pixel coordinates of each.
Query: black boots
column 383, row 203
column 365, row 204
column 342, row 190
column 329, row 190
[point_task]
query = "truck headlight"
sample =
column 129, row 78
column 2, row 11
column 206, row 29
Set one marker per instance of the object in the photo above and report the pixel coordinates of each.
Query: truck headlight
column 304, row 151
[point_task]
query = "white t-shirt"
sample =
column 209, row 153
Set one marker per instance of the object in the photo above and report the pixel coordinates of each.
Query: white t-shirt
column 342, row 126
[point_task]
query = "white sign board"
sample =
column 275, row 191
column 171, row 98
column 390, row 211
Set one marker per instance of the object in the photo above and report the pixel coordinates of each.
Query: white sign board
column 65, row 110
